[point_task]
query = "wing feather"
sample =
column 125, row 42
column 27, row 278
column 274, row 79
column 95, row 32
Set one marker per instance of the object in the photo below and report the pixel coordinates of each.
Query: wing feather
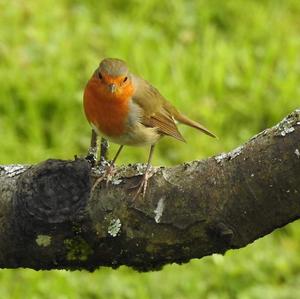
column 154, row 112
column 166, row 125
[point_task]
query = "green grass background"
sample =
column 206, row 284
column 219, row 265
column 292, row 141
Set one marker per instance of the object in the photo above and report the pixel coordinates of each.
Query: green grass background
column 232, row 65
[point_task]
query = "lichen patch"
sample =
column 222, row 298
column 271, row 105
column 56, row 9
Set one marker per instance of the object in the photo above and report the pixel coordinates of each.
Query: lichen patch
column 43, row 240
column 229, row 156
column 286, row 131
column 114, row 227
column 220, row 157
column 116, row 181
column 286, row 126
column 159, row 209
column 13, row 170
column 236, row 152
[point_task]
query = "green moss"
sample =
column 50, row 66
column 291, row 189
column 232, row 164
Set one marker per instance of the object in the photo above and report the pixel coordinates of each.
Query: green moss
column 77, row 249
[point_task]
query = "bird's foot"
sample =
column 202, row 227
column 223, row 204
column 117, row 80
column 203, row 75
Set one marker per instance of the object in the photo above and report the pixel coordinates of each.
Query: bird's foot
column 107, row 175
column 142, row 185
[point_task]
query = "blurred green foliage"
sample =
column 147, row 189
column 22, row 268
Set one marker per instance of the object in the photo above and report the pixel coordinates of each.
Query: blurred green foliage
column 232, row 65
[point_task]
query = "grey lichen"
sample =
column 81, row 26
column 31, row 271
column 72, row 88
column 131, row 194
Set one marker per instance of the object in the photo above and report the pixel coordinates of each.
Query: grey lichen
column 114, row 227
column 229, row 156
column 140, row 168
column 297, row 153
column 287, row 131
column 100, row 169
column 116, row 181
column 220, row 157
column 159, row 209
column 43, row 240
column 236, row 152
column 13, row 170
column 286, row 126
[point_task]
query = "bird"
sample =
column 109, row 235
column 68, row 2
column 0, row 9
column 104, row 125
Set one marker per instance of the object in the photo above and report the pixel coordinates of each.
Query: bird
column 127, row 110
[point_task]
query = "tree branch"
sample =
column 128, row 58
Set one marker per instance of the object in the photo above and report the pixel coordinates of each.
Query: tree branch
column 49, row 219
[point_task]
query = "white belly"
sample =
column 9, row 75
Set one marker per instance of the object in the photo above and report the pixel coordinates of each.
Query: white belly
column 136, row 134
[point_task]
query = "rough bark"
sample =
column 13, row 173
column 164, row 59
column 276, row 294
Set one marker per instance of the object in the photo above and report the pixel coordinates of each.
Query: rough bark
column 50, row 220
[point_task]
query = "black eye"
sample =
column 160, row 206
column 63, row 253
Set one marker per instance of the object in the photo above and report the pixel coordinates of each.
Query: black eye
column 125, row 79
column 100, row 76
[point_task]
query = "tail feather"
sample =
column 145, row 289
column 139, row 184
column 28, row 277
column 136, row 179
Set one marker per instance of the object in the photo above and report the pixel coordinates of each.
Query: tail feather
column 185, row 120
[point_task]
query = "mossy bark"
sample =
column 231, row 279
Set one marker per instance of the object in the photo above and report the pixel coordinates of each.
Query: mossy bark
column 49, row 219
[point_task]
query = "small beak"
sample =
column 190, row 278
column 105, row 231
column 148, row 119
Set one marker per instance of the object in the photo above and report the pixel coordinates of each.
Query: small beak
column 112, row 87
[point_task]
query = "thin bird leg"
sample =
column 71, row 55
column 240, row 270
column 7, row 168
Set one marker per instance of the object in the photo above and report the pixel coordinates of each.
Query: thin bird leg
column 109, row 170
column 142, row 185
column 92, row 152
column 117, row 154
column 103, row 150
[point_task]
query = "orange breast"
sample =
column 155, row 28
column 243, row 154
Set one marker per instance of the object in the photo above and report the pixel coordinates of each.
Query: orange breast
column 107, row 111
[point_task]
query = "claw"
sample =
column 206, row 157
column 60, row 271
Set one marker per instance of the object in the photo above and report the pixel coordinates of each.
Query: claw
column 141, row 188
column 109, row 172
column 142, row 185
column 107, row 175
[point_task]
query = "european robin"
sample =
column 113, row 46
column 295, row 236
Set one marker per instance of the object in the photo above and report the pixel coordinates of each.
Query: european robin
column 128, row 110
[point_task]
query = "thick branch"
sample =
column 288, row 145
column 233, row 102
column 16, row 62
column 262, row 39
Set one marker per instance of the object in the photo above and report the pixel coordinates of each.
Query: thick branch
column 49, row 219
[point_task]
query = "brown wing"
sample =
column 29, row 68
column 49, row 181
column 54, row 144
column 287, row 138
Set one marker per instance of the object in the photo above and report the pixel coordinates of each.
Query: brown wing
column 185, row 120
column 156, row 112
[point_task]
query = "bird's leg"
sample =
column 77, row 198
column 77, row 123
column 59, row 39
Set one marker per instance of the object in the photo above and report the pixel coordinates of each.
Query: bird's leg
column 142, row 185
column 92, row 152
column 103, row 150
column 109, row 170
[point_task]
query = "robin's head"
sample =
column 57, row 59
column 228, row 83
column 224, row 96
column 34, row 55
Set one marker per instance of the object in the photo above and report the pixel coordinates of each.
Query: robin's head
column 113, row 75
